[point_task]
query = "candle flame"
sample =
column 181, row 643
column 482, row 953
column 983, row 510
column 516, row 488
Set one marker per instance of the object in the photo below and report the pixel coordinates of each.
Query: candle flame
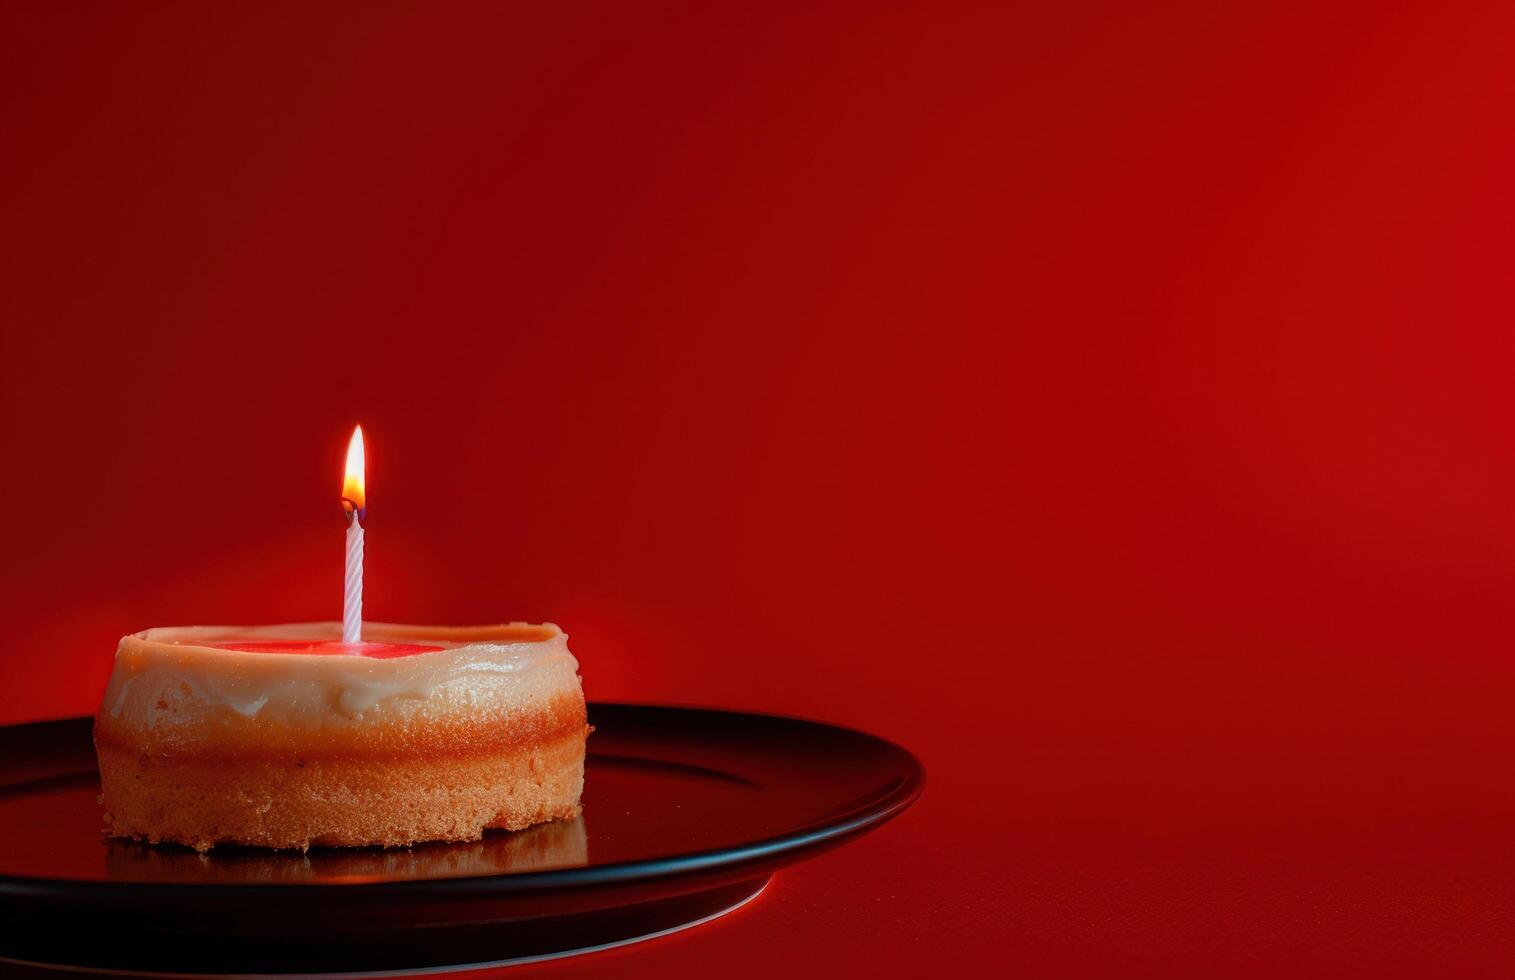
column 353, row 499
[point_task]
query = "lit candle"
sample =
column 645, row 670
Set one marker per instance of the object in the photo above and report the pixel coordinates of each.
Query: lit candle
column 353, row 505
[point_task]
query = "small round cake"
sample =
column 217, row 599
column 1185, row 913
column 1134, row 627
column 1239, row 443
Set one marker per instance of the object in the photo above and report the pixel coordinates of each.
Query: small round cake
column 284, row 737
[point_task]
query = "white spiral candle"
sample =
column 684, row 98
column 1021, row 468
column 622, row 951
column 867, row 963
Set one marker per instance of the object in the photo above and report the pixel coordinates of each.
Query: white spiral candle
column 354, row 494
column 352, row 586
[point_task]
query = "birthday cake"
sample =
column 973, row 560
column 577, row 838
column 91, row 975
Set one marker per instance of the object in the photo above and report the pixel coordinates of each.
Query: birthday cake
column 285, row 737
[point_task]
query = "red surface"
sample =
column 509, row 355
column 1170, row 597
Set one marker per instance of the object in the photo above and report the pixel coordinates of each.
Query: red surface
column 1113, row 406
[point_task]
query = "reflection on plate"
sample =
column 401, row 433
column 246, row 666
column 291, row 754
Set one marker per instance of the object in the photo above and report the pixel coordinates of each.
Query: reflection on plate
column 558, row 844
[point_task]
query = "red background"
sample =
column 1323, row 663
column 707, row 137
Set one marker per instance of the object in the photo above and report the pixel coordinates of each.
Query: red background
column 1112, row 406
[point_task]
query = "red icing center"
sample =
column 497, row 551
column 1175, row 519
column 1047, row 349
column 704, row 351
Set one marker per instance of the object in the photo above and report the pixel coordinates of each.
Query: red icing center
column 377, row 651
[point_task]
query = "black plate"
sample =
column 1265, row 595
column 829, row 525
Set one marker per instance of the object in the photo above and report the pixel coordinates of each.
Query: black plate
column 686, row 813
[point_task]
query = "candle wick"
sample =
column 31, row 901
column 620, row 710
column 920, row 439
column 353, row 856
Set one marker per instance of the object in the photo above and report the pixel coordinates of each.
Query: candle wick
column 353, row 511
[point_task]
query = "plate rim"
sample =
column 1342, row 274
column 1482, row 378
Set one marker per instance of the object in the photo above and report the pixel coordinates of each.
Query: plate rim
column 907, row 788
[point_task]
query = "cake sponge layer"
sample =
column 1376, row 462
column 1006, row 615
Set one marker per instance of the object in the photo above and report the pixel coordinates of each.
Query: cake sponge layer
column 340, row 802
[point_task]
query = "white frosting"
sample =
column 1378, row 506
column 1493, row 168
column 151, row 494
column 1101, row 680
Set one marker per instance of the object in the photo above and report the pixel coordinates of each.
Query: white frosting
column 181, row 663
